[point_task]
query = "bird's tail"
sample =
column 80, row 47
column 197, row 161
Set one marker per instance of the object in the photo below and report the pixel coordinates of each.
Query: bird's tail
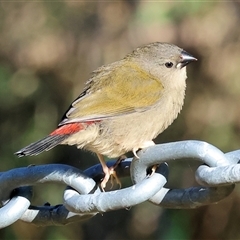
column 44, row 144
column 52, row 140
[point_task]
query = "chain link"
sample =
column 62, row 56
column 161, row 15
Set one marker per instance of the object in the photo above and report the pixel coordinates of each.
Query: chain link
column 83, row 199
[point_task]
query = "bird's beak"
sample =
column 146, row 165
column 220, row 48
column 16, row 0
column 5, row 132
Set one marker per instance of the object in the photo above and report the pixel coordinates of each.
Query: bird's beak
column 186, row 58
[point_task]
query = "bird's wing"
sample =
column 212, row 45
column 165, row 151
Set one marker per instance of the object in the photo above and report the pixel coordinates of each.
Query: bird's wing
column 125, row 89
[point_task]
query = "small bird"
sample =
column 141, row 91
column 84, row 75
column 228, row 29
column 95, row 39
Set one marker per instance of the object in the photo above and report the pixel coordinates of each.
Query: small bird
column 124, row 105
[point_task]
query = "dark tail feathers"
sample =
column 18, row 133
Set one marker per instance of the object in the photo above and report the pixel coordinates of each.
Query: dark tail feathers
column 44, row 144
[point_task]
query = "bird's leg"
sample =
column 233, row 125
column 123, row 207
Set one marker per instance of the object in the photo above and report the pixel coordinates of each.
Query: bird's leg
column 106, row 171
column 109, row 172
column 119, row 160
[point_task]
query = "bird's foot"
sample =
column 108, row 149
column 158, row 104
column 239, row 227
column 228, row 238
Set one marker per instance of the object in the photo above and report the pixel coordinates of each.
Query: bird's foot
column 111, row 174
column 144, row 145
column 153, row 169
column 114, row 174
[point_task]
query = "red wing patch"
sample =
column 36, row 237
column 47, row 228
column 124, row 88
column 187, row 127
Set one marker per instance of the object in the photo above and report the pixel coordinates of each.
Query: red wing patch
column 71, row 128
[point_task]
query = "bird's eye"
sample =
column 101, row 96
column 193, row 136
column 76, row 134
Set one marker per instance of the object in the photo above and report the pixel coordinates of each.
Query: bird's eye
column 168, row 64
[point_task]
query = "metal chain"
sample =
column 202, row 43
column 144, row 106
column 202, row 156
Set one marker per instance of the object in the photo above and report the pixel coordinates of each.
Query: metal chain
column 83, row 199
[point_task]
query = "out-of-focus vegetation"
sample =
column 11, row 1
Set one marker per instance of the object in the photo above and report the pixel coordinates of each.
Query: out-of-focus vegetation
column 47, row 51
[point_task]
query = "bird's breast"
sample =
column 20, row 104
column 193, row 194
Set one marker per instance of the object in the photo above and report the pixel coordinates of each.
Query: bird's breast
column 123, row 133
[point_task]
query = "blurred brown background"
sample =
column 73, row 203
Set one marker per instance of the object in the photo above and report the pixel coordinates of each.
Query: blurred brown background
column 47, row 51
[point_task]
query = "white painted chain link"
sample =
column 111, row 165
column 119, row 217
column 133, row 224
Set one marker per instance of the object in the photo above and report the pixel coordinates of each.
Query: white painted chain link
column 83, row 199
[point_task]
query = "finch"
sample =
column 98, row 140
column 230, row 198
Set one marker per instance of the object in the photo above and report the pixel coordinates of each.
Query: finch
column 124, row 105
